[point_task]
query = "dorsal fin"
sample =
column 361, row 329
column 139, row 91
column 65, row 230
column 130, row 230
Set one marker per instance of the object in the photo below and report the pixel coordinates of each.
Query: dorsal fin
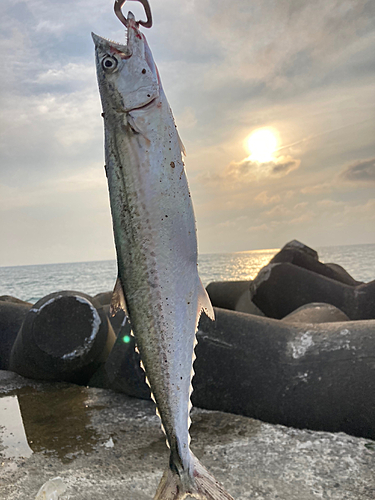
column 181, row 144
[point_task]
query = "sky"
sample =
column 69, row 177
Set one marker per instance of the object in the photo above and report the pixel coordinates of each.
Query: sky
column 304, row 71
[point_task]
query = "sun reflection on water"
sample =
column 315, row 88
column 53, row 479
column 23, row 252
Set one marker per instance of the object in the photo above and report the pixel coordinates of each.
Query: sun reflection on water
column 235, row 266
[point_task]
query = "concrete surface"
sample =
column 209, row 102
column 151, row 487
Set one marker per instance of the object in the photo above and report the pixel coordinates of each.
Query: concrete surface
column 106, row 445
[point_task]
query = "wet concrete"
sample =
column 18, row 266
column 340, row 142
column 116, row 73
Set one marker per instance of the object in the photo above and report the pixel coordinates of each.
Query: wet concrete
column 106, row 445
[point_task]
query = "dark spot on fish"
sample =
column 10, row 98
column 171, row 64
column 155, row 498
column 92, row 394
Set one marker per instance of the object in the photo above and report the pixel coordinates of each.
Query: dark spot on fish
column 172, row 163
column 148, row 95
column 166, row 216
column 143, row 71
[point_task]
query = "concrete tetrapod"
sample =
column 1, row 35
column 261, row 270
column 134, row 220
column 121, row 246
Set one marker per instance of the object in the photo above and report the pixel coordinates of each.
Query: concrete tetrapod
column 65, row 336
column 122, row 371
column 12, row 314
column 316, row 312
column 320, row 376
column 301, row 255
column 281, row 288
column 233, row 295
column 226, row 294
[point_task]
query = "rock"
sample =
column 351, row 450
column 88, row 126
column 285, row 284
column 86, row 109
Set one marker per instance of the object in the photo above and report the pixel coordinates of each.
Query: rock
column 280, row 289
column 51, row 490
column 316, row 312
column 12, row 314
column 225, row 294
column 9, row 298
column 250, row 458
column 65, row 336
column 319, row 376
column 300, row 255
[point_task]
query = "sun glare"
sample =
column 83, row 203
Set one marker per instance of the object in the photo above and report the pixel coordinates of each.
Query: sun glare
column 261, row 144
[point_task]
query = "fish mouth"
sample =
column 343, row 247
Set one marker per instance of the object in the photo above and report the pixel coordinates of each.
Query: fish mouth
column 106, row 44
column 147, row 105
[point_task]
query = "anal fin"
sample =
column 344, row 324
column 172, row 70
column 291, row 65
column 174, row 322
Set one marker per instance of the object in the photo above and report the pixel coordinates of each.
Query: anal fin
column 204, row 303
column 118, row 302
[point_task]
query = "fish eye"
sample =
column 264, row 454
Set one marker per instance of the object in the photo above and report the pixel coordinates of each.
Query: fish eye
column 109, row 63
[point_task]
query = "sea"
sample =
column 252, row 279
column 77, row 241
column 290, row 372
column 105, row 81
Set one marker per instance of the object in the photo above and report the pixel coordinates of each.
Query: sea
column 32, row 282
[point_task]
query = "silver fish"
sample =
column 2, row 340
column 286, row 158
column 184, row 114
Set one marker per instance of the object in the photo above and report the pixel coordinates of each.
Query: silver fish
column 155, row 238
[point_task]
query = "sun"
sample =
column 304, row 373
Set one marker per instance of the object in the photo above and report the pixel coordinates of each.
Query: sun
column 261, row 144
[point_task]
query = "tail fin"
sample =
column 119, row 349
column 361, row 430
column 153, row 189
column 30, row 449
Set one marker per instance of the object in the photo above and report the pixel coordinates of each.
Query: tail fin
column 206, row 486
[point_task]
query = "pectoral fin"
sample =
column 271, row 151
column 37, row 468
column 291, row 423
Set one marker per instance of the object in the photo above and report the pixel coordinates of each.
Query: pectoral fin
column 132, row 121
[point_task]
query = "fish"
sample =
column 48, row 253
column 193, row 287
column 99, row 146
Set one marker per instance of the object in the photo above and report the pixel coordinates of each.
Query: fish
column 154, row 229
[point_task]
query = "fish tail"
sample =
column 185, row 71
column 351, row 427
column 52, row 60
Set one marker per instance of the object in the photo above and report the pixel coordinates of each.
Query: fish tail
column 205, row 486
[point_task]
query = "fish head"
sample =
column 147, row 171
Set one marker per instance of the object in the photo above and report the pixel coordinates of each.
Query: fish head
column 127, row 75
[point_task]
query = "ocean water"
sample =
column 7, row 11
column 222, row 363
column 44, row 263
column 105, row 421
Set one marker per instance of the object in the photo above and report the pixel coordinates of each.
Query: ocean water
column 33, row 282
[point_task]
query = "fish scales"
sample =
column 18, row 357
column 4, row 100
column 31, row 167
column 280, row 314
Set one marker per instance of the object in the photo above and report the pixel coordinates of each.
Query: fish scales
column 156, row 245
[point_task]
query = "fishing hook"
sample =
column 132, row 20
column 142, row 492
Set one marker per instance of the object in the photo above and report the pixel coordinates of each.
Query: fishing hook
column 120, row 15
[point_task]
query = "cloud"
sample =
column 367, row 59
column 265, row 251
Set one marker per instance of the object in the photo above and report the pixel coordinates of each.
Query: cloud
column 364, row 211
column 55, row 190
column 301, row 205
column 302, row 68
column 325, row 187
column 264, row 199
column 360, row 171
column 330, row 204
column 291, row 45
column 259, row 228
column 187, row 119
column 302, row 219
column 248, row 170
column 237, row 222
column 278, row 211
